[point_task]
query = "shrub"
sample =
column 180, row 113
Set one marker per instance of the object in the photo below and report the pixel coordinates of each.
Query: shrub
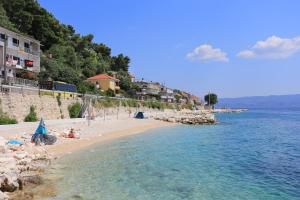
column 110, row 93
column 58, row 100
column 87, row 87
column 32, row 116
column 187, row 106
column 132, row 103
column 4, row 119
column 74, row 110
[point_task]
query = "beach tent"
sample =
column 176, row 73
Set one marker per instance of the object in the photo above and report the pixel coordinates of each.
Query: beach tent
column 40, row 135
column 139, row 115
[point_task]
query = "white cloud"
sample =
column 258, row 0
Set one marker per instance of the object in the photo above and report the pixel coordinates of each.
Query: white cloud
column 206, row 52
column 273, row 48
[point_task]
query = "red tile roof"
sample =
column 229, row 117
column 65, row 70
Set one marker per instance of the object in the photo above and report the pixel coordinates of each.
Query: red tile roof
column 102, row 76
column 195, row 98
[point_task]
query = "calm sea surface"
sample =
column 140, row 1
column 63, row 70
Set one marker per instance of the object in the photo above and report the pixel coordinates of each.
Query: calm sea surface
column 252, row 155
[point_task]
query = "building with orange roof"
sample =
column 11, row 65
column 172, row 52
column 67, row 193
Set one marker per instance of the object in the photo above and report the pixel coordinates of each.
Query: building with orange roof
column 105, row 82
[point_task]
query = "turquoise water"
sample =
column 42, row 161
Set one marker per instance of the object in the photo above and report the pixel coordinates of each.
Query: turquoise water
column 252, row 155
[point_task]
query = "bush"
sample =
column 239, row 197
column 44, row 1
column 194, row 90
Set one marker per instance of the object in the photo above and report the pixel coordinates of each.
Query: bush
column 110, row 93
column 58, row 100
column 132, row 103
column 4, row 119
column 74, row 110
column 32, row 116
column 188, row 106
column 87, row 87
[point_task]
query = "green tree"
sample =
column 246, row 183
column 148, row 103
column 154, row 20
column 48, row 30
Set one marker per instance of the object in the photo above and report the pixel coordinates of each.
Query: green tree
column 120, row 62
column 86, row 87
column 4, row 20
column 211, row 99
column 125, row 80
column 74, row 57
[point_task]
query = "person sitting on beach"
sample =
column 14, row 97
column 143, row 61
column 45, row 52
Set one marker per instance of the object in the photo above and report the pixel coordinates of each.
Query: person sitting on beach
column 72, row 134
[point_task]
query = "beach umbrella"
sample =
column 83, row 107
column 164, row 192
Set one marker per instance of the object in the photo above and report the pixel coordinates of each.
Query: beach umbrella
column 41, row 129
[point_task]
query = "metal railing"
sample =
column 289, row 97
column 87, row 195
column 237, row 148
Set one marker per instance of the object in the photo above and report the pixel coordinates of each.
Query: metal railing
column 20, row 82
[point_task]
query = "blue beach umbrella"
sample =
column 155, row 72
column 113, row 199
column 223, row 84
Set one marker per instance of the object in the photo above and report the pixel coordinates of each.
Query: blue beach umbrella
column 41, row 129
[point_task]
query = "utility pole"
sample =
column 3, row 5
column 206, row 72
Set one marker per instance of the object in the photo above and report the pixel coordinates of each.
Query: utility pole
column 209, row 99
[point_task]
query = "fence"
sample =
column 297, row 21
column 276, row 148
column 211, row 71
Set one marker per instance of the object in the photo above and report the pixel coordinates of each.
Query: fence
column 36, row 91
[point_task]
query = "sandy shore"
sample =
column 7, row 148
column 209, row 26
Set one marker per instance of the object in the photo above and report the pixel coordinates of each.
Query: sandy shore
column 91, row 133
column 99, row 131
column 96, row 131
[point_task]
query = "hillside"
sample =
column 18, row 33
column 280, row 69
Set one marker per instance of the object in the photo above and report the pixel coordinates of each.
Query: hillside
column 267, row 102
column 66, row 55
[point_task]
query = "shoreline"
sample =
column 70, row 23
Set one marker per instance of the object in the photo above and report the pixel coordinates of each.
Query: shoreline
column 97, row 132
column 29, row 162
column 62, row 149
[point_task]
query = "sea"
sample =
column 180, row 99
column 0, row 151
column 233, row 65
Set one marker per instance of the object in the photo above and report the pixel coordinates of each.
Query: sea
column 253, row 155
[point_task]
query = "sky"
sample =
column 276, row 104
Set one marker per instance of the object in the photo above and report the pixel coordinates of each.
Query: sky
column 233, row 48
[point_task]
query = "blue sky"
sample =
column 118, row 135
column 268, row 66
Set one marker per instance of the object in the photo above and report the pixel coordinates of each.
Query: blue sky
column 233, row 48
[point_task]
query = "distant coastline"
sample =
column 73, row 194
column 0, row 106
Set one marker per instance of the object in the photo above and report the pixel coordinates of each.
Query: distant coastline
column 262, row 102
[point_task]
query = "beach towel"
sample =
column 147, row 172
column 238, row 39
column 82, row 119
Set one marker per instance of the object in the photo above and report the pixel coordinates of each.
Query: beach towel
column 16, row 142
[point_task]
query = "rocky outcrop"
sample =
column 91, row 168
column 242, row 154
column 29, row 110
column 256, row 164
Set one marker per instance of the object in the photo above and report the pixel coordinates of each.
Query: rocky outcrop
column 228, row 110
column 187, row 117
column 20, row 165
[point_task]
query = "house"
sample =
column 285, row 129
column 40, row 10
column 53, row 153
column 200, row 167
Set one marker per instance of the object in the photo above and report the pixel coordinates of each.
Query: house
column 195, row 100
column 18, row 54
column 132, row 77
column 167, row 95
column 105, row 82
column 148, row 90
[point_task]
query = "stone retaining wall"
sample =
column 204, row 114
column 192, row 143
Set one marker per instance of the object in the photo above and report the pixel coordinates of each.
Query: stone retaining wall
column 17, row 105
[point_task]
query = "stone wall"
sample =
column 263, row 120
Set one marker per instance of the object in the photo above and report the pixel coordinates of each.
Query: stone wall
column 17, row 105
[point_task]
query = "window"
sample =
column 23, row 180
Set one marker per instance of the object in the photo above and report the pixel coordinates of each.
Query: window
column 2, row 37
column 27, row 47
column 15, row 42
column 15, row 58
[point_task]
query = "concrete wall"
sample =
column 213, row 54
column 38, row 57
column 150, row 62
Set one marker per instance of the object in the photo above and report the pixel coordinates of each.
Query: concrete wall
column 17, row 105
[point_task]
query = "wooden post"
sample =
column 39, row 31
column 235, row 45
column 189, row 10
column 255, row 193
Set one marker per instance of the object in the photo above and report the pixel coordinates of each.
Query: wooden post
column 104, row 114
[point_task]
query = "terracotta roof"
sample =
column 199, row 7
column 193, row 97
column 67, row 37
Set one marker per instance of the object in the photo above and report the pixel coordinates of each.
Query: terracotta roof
column 102, row 76
column 195, row 98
